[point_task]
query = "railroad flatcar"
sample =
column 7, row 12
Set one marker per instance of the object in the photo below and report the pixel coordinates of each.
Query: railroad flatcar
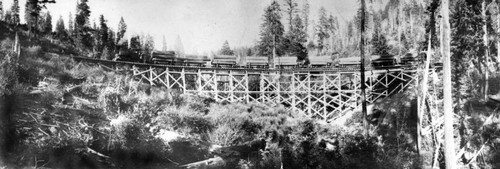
column 377, row 61
column 167, row 57
column 224, row 61
column 383, row 60
column 320, row 61
column 287, row 62
column 195, row 60
column 256, row 62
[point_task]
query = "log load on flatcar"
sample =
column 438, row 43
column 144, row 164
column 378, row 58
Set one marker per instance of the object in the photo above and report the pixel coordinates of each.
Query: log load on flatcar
column 320, row 61
column 164, row 57
column 224, row 61
column 195, row 60
column 256, row 62
column 287, row 62
column 411, row 59
column 383, row 61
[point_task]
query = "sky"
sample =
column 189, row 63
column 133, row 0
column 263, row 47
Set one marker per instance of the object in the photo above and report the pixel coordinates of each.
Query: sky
column 202, row 25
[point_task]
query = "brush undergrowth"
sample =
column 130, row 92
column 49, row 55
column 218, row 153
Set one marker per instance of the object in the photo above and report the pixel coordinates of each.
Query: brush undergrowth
column 61, row 109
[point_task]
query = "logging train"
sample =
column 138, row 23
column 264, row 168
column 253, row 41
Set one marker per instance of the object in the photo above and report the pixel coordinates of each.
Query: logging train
column 231, row 61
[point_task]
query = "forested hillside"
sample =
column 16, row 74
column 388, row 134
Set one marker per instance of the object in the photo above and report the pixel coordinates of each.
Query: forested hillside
column 57, row 112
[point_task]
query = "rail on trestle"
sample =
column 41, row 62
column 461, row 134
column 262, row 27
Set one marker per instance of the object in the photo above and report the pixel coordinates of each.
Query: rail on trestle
column 321, row 94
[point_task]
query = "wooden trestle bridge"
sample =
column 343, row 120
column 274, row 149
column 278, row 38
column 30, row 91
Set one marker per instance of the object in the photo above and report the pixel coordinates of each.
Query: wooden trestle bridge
column 321, row 93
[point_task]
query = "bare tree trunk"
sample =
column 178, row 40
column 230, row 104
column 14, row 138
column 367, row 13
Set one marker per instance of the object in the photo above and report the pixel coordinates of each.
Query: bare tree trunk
column 487, row 52
column 421, row 106
column 449, row 151
column 498, row 41
column 362, row 51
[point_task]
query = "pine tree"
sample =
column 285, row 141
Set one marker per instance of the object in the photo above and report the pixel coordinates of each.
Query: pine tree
column 305, row 17
column 122, row 29
column 82, row 30
column 179, row 48
column 32, row 12
column 249, row 52
column 103, row 33
column 1, row 11
column 40, row 25
column 379, row 43
column 291, row 10
column 271, row 33
column 15, row 12
column 296, row 38
column 226, row 50
column 71, row 25
column 164, row 44
column 111, row 42
column 47, row 25
column 322, row 30
column 8, row 16
column 60, row 28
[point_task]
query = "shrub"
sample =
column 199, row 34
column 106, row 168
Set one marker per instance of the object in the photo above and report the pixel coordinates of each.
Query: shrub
column 33, row 52
column 6, row 45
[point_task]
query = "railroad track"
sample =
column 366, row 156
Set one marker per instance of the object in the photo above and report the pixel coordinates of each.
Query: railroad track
column 308, row 69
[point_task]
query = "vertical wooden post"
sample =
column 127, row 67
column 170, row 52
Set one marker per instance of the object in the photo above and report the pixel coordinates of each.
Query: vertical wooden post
column 167, row 75
column 183, row 76
column 151, row 76
column 261, row 84
column 278, row 86
column 216, row 93
column 199, row 82
column 247, row 87
column 231, row 86
column 309, row 94
column 324, row 94
column 293, row 93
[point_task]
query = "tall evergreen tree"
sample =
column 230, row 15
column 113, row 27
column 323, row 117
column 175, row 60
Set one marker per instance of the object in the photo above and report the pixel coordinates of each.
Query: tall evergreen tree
column 1, row 11
column 82, row 29
column 111, row 42
column 71, row 25
column 298, row 30
column 305, row 16
column 179, row 48
column 8, row 16
column 295, row 40
column 322, row 30
column 290, row 10
column 32, row 12
column 15, row 12
column 226, row 50
column 40, row 23
column 466, row 46
column 379, row 43
column 164, row 44
column 46, row 23
column 103, row 33
column 60, row 28
column 271, row 33
column 122, row 29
